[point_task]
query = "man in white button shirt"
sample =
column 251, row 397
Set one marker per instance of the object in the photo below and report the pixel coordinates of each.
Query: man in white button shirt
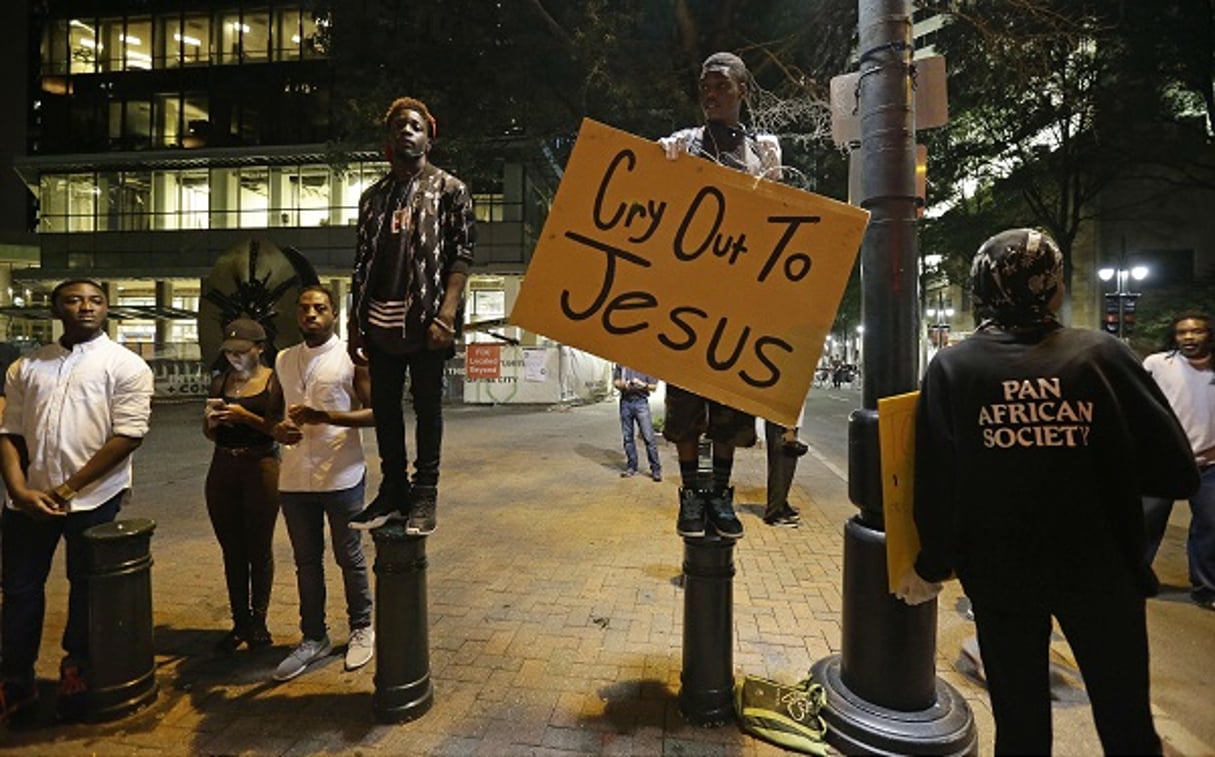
column 76, row 410
column 1187, row 377
column 322, row 477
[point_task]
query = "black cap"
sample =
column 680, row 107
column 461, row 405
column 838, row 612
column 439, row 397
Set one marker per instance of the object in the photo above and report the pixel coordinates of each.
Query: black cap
column 240, row 335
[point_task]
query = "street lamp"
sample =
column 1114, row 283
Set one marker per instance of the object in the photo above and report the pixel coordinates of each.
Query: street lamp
column 1120, row 304
column 940, row 325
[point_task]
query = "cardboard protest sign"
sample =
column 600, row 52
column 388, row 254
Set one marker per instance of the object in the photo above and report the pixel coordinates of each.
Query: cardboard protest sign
column 706, row 277
column 896, row 438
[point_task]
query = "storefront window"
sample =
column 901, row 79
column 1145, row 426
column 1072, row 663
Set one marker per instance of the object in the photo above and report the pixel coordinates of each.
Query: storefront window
column 83, row 46
column 287, row 34
column 315, row 189
column 55, row 48
column 254, row 198
column 255, row 40
column 137, row 44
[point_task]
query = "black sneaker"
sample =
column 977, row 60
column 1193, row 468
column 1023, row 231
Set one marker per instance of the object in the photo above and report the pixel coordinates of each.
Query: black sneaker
column 422, row 519
column 390, row 504
column 795, row 448
column 691, row 520
column 721, row 514
column 784, row 516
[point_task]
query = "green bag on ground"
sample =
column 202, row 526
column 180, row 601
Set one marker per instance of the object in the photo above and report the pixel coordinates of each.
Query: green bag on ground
column 785, row 715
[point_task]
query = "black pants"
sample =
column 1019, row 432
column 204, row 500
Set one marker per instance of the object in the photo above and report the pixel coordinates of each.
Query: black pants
column 1109, row 639
column 242, row 500
column 425, row 369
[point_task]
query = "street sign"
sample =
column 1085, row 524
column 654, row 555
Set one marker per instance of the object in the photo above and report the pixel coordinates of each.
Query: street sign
column 931, row 100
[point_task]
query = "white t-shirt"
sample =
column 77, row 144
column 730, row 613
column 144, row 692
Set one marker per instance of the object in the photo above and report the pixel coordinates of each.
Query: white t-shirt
column 67, row 404
column 328, row 458
column 1190, row 391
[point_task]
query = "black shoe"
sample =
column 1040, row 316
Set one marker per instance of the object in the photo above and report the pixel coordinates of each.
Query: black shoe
column 1203, row 598
column 795, row 448
column 691, row 520
column 69, row 707
column 784, row 516
column 259, row 635
column 232, row 640
column 422, row 519
column 721, row 514
column 390, row 504
column 656, row 475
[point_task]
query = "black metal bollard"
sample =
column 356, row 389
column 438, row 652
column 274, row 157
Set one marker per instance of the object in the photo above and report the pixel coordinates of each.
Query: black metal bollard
column 403, row 690
column 706, row 694
column 121, row 666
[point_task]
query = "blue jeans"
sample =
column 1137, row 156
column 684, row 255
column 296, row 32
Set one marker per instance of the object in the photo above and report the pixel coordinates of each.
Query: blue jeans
column 305, row 513
column 636, row 409
column 1201, row 542
column 29, row 547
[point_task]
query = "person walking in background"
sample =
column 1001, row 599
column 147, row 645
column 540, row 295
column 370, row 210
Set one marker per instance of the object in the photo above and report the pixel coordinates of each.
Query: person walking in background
column 415, row 247
column 1033, row 445
column 244, row 403
column 635, row 388
column 724, row 139
column 1185, row 375
column 76, row 410
column 322, row 478
column 782, row 447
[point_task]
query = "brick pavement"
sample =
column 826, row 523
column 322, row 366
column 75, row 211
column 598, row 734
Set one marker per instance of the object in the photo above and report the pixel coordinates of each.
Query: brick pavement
column 554, row 601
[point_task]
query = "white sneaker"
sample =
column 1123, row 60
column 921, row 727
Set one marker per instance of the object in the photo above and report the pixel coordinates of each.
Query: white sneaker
column 309, row 651
column 360, row 648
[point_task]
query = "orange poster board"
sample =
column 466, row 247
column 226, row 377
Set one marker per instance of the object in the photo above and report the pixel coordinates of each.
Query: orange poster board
column 708, row 278
column 896, row 439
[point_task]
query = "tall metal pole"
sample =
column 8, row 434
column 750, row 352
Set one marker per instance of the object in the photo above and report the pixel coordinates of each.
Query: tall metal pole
column 883, row 696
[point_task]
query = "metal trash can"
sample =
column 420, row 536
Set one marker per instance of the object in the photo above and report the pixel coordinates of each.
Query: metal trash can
column 121, row 666
column 403, row 689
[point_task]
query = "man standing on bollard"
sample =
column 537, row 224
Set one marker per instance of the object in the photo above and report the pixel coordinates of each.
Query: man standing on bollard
column 1033, row 445
column 76, row 410
column 724, row 139
column 635, row 388
column 415, row 247
column 1186, row 375
column 322, row 477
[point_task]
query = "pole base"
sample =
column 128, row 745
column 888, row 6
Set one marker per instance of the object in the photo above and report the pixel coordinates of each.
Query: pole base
column 400, row 704
column 855, row 726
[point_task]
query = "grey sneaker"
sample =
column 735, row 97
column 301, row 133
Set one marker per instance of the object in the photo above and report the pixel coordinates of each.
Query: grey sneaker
column 360, row 648
column 309, row 651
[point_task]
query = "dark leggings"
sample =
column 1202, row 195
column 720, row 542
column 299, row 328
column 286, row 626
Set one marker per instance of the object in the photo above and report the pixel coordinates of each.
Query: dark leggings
column 242, row 500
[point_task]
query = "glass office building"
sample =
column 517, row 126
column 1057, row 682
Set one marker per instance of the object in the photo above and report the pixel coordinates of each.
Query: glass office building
column 163, row 134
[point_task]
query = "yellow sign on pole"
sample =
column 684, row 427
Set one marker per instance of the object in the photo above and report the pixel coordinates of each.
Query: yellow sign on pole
column 708, row 278
column 896, row 439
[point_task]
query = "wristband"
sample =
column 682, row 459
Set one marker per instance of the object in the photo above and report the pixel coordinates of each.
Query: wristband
column 443, row 325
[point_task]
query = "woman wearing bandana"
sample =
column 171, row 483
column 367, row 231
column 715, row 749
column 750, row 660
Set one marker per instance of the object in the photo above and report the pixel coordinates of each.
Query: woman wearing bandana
column 244, row 403
column 1034, row 442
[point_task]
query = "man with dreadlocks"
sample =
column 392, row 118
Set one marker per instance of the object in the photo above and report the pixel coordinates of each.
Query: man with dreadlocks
column 415, row 247
column 1033, row 444
column 724, row 139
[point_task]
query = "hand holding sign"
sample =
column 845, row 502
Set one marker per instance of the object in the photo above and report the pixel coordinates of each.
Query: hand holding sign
column 716, row 281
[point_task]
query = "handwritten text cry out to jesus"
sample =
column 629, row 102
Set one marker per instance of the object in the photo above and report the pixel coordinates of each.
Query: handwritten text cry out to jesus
column 700, row 230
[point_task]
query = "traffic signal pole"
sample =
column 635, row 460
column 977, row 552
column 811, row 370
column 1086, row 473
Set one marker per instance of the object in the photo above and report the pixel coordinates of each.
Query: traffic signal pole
column 883, row 696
